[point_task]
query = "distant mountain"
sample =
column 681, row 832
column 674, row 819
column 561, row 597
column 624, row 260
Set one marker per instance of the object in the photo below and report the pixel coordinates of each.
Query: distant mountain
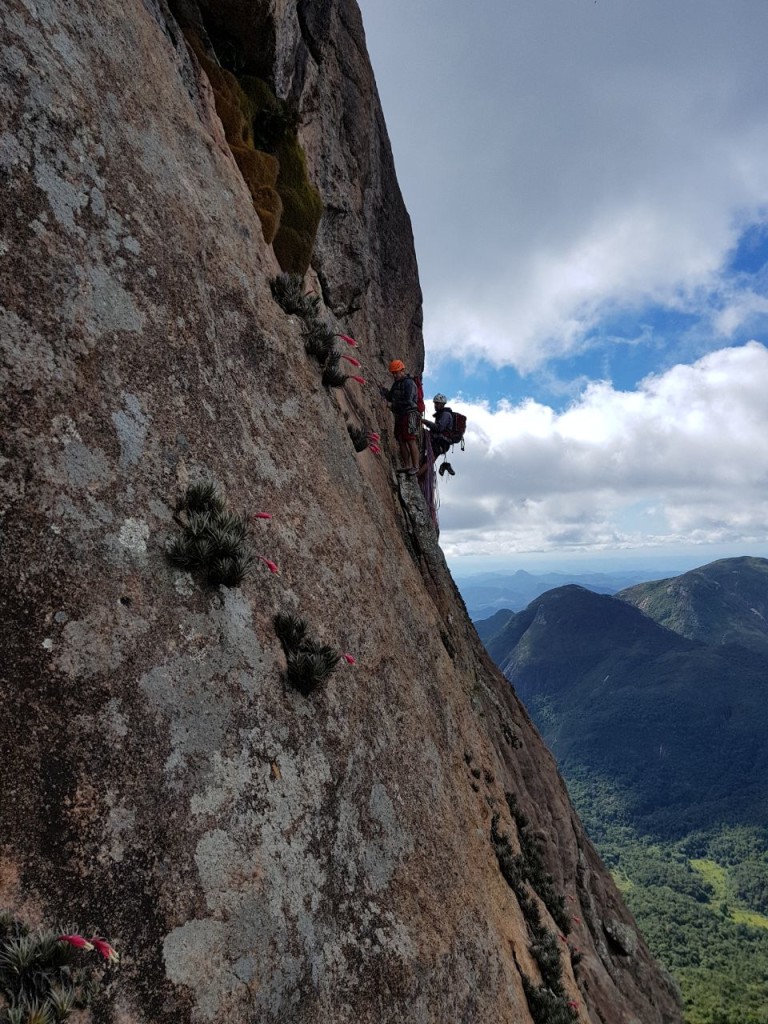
column 725, row 602
column 676, row 727
column 488, row 628
column 658, row 720
column 489, row 592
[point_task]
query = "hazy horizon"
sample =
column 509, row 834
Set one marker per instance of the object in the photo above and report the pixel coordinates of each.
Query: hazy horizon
column 638, row 560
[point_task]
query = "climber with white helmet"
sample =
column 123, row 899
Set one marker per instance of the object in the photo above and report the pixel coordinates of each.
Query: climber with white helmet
column 440, row 431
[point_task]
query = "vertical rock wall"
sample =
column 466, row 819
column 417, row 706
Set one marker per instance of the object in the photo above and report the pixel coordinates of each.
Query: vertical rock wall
column 254, row 853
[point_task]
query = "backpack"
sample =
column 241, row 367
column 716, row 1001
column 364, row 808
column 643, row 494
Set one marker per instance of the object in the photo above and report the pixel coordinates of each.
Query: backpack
column 419, row 393
column 456, row 433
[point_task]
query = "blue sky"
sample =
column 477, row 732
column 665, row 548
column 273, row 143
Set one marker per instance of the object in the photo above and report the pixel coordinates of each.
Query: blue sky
column 588, row 186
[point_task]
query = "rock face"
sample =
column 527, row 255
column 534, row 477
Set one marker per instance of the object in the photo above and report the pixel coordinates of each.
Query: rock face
column 254, row 853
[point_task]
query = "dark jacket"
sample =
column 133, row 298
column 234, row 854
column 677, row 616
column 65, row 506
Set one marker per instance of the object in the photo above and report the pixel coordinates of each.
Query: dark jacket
column 403, row 395
column 443, row 422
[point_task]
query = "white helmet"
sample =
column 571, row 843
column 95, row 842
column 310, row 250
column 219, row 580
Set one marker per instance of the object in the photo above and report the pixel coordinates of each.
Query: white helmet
column 439, row 399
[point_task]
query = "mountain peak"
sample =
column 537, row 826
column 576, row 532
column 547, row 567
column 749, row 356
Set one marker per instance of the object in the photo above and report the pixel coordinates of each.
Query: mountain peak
column 724, row 602
column 650, row 711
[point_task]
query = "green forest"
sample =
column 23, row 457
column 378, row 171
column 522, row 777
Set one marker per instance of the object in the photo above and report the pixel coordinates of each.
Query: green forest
column 701, row 902
column 653, row 703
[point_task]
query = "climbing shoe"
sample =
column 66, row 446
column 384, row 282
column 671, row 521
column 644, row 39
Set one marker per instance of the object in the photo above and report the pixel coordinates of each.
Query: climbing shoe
column 447, row 468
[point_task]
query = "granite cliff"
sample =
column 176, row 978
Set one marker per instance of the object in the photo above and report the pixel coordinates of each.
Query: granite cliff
column 396, row 845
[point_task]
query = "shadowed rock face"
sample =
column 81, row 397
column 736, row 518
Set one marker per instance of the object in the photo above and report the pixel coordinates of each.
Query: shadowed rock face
column 255, row 854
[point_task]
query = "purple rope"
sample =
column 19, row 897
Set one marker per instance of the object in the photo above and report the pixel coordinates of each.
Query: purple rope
column 428, row 482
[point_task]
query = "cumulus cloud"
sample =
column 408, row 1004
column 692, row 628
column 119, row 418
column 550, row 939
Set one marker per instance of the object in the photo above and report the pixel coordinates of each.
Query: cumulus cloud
column 567, row 158
column 681, row 459
column 739, row 309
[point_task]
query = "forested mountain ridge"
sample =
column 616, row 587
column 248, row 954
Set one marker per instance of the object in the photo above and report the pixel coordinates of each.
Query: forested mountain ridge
column 676, row 724
column 661, row 738
column 724, row 602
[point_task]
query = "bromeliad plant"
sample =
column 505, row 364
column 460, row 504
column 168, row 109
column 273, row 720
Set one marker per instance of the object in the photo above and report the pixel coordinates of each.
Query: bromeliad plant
column 46, row 975
column 319, row 340
column 319, row 336
column 333, row 375
column 213, row 541
column 288, row 293
column 363, row 439
column 359, row 438
column 534, row 868
column 308, row 662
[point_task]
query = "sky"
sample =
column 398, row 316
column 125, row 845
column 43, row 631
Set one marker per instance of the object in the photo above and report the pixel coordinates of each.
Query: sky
column 588, row 186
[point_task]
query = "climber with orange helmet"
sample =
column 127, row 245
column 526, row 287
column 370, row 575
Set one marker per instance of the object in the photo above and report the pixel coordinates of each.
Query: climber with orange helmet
column 403, row 397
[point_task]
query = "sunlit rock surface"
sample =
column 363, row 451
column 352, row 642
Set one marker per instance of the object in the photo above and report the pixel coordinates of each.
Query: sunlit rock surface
column 255, row 854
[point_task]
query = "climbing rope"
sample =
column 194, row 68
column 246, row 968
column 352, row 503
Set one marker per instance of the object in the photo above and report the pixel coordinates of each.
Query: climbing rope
column 428, row 482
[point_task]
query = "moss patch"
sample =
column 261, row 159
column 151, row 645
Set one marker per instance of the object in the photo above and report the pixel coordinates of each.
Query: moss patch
column 262, row 132
column 236, row 111
column 302, row 208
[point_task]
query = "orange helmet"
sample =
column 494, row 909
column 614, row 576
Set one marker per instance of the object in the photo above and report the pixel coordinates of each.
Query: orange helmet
column 396, row 366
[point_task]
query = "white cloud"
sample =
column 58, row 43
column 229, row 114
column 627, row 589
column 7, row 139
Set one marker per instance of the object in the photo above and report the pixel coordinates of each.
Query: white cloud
column 566, row 158
column 738, row 310
column 681, row 459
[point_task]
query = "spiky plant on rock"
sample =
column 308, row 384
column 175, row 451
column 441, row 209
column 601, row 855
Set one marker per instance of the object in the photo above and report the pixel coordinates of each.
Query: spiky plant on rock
column 213, row 540
column 333, row 376
column 44, row 976
column 310, row 666
column 291, row 631
column 524, row 873
column 319, row 340
column 288, row 293
column 359, row 437
column 308, row 662
column 202, row 497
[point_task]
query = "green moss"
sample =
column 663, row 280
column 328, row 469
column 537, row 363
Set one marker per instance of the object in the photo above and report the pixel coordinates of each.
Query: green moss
column 275, row 127
column 302, row 208
column 293, row 249
column 262, row 132
column 260, row 96
column 259, row 171
column 272, row 120
column 269, row 207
